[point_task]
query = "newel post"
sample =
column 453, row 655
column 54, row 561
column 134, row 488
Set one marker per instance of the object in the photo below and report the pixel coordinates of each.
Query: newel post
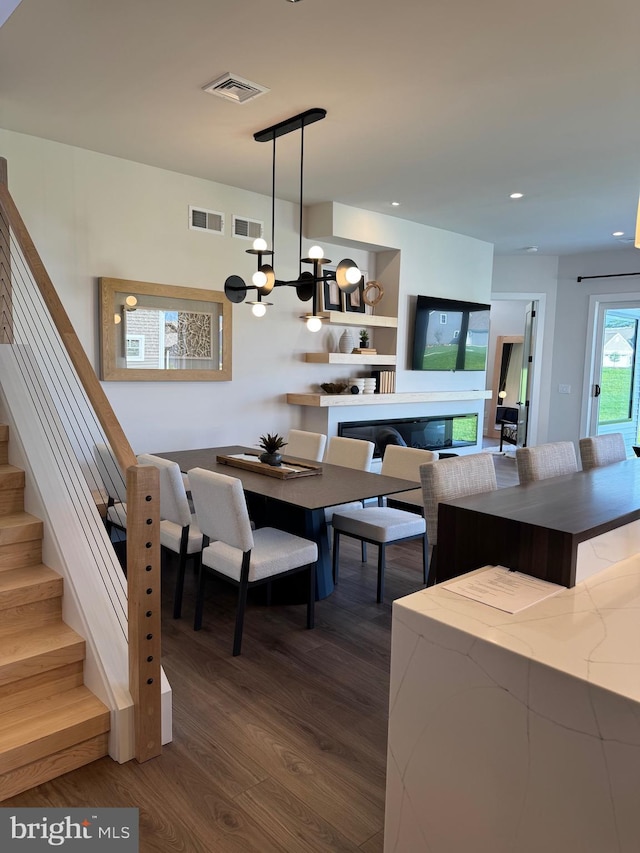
column 143, row 582
column 6, row 308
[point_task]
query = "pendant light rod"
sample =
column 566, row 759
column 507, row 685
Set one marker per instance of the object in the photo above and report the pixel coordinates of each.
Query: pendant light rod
column 290, row 124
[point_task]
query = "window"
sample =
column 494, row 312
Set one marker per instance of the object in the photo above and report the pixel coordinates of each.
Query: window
column 135, row 347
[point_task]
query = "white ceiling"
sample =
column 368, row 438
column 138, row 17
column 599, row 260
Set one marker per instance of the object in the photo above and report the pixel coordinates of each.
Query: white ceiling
column 444, row 105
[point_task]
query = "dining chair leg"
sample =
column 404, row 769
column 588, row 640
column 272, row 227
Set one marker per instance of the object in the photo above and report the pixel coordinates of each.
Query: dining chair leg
column 242, row 603
column 197, row 619
column 363, row 551
column 336, row 555
column 182, row 564
column 425, row 559
column 381, row 555
column 312, row 596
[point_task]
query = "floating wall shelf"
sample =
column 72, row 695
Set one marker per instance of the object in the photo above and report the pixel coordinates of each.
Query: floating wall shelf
column 333, row 400
column 348, row 358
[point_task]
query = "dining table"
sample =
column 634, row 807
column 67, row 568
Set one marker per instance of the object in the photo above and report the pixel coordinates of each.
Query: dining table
column 295, row 504
column 551, row 529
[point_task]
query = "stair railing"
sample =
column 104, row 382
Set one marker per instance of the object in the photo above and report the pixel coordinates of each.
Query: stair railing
column 87, row 413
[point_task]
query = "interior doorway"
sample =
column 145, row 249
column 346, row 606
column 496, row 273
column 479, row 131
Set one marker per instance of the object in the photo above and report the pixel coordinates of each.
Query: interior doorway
column 509, row 321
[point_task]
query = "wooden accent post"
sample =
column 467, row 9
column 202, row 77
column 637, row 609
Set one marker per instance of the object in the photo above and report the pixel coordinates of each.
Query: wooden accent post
column 143, row 574
column 6, row 308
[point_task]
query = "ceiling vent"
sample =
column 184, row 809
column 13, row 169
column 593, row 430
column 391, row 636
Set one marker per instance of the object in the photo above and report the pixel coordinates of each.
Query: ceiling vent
column 247, row 229
column 206, row 220
column 234, row 88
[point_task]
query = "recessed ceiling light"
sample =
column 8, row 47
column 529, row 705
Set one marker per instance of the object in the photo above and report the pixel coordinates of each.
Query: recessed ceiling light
column 395, row 204
column 516, row 195
column 618, row 234
column 531, row 249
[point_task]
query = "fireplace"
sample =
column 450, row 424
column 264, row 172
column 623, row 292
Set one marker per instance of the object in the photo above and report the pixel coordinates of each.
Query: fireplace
column 433, row 432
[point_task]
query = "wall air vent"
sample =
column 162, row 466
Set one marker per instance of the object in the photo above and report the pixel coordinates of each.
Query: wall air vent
column 206, row 220
column 247, row 229
column 234, row 88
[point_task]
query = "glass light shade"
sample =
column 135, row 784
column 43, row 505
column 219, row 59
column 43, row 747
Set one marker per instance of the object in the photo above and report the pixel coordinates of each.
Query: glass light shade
column 260, row 244
column 259, row 278
column 117, row 319
column 348, row 275
column 502, row 394
column 353, row 275
column 314, row 324
column 258, row 309
column 131, row 301
column 316, row 252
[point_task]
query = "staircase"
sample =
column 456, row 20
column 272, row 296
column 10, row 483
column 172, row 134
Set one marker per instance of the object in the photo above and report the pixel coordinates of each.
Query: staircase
column 50, row 722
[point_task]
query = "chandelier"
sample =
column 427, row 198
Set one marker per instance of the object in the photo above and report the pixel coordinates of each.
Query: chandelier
column 346, row 275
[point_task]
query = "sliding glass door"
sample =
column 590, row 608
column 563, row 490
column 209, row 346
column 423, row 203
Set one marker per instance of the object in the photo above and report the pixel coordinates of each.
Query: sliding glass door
column 616, row 387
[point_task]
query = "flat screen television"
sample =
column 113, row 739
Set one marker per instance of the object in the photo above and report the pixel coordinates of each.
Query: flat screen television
column 449, row 334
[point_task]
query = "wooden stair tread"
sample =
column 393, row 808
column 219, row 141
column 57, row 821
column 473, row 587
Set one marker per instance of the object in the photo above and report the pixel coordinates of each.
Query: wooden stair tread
column 27, row 584
column 19, row 527
column 11, row 477
column 25, row 652
column 30, row 733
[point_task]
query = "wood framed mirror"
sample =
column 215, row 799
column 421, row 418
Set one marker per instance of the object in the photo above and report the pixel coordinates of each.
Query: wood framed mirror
column 161, row 333
column 507, row 369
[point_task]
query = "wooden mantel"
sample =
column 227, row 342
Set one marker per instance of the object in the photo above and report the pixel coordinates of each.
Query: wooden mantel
column 334, row 400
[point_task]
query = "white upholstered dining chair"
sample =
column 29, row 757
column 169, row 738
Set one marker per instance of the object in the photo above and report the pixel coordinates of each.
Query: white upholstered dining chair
column 351, row 453
column 179, row 532
column 599, row 450
column 405, row 462
column 542, row 461
column 448, row 479
column 236, row 553
column 306, row 445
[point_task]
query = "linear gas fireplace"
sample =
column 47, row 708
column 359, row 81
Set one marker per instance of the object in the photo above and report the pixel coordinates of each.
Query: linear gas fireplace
column 433, row 432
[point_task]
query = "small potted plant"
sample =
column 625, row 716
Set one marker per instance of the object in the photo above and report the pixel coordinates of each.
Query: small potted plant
column 364, row 339
column 271, row 444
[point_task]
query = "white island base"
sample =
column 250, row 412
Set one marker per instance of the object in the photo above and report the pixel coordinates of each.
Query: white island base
column 517, row 733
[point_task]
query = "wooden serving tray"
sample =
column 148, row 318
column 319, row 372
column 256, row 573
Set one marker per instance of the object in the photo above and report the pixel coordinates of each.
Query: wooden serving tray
column 296, row 469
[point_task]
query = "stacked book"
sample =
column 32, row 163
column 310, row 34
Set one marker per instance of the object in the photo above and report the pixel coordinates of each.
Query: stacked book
column 387, row 382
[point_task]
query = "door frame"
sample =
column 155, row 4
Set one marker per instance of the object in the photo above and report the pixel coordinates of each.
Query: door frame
column 596, row 301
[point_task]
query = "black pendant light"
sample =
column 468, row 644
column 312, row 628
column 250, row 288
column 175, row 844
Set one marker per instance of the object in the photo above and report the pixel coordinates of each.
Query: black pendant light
column 347, row 275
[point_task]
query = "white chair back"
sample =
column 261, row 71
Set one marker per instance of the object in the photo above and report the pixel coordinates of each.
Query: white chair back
column 405, row 462
column 542, row 461
column 305, row 445
column 221, row 509
column 174, row 505
column 599, row 450
column 112, row 477
column 350, row 452
column 457, row 477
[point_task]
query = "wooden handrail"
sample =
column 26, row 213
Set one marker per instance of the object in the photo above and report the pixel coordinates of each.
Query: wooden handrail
column 143, row 489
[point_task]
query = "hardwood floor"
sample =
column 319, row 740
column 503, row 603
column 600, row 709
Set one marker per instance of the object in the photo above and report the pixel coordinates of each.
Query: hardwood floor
column 280, row 749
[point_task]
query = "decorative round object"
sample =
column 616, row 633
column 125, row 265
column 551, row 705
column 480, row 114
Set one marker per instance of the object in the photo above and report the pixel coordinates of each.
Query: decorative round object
column 354, row 389
column 347, row 341
column 274, row 459
column 373, row 293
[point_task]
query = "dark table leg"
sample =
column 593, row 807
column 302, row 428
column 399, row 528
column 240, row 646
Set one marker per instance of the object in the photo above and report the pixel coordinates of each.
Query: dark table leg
column 308, row 523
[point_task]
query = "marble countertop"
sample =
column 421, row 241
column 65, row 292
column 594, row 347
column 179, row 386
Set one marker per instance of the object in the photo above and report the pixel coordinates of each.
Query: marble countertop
column 591, row 631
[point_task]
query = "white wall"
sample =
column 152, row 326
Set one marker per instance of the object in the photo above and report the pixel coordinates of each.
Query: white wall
column 91, row 215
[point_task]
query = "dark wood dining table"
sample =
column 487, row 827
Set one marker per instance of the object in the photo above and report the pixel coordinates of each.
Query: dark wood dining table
column 536, row 528
column 295, row 504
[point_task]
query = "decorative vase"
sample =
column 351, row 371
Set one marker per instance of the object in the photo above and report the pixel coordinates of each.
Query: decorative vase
column 347, row 341
column 271, row 458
